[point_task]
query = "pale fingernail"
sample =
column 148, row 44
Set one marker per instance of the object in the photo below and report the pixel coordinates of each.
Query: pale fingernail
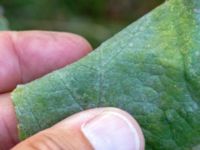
column 111, row 131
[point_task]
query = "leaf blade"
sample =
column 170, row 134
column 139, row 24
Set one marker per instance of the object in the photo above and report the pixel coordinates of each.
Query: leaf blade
column 150, row 69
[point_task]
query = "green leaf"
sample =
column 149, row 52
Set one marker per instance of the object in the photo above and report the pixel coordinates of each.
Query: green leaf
column 150, row 69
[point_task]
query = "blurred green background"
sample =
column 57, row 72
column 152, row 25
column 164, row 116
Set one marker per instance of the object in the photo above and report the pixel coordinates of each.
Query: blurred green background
column 96, row 20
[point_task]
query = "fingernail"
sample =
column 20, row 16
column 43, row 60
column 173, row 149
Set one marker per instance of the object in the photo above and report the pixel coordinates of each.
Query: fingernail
column 111, row 130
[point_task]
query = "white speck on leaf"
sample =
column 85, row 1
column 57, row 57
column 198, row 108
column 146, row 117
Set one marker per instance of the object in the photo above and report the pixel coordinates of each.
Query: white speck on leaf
column 197, row 10
column 130, row 45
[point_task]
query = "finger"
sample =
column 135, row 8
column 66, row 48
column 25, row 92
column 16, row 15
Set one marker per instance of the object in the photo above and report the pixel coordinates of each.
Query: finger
column 8, row 123
column 25, row 56
column 99, row 129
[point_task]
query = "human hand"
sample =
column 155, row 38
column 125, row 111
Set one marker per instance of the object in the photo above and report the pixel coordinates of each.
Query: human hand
column 25, row 56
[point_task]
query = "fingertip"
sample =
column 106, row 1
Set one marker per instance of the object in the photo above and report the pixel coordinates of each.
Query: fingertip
column 112, row 124
column 48, row 50
column 83, row 42
column 113, row 128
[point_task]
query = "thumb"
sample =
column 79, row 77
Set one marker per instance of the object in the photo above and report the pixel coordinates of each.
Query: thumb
column 99, row 129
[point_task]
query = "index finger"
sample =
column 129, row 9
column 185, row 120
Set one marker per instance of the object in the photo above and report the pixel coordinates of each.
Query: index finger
column 25, row 56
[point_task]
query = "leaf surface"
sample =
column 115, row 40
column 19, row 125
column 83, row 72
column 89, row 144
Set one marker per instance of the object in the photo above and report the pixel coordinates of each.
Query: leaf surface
column 150, row 69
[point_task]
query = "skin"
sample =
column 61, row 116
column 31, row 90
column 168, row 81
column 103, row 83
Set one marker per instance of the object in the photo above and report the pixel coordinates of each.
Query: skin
column 25, row 56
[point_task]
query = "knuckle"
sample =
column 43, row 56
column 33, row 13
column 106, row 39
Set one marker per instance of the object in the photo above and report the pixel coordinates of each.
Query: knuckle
column 48, row 141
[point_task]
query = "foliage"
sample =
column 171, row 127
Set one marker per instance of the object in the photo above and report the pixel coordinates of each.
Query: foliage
column 150, row 69
column 104, row 16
